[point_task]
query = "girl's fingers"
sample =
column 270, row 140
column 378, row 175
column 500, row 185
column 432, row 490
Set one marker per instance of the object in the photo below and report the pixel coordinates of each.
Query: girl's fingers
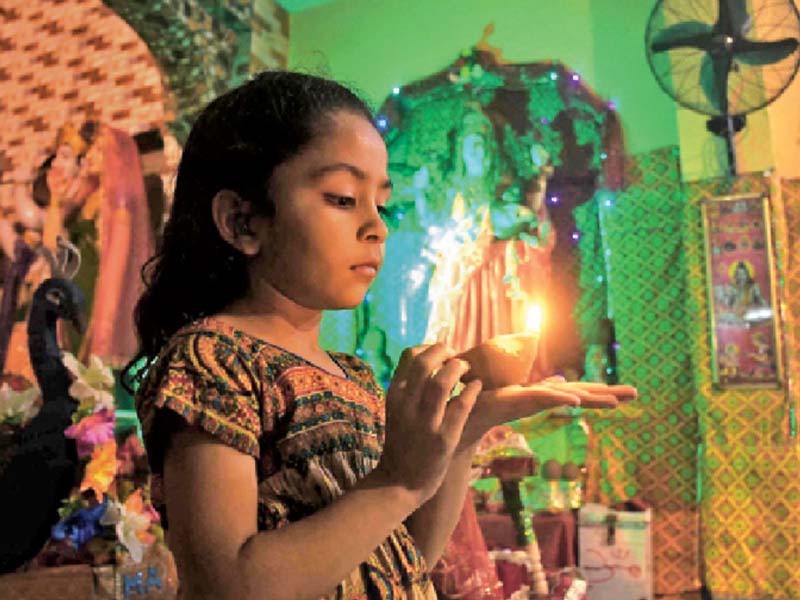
column 557, row 398
column 531, row 398
column 624, row 392
column 620, row 392
column 437, row 390
column 458, row 409
column 406, row 359
column 517, row 401
column 599, row 401
column 424, row 366
column 591, row 396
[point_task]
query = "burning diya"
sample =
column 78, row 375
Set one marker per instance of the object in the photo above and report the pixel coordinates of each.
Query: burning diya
column 505, row 359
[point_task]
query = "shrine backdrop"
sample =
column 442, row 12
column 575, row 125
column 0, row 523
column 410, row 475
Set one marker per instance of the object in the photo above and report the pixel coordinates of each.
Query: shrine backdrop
column 719, row 466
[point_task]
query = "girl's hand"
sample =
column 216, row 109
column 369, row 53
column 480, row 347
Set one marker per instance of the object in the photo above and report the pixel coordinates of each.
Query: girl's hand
column 423, row 424
column 495, row 407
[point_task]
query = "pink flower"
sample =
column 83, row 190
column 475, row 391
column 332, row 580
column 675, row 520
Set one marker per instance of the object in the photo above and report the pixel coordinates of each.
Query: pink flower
column 92, row 431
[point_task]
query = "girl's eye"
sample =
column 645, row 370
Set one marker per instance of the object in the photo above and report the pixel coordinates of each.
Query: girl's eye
column 383, row 212
column 341, row 200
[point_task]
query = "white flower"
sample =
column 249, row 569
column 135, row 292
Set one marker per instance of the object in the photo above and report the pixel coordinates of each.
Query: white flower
column 92, row 384
column 131, row 527
column 18, row 407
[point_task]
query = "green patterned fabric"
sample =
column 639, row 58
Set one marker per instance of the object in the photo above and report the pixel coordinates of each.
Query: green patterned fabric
column 648, row 449
column 749, row 462
column 719, row 466
column 592, row 305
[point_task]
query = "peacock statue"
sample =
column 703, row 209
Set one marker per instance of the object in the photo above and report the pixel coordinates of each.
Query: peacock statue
column 43, row 466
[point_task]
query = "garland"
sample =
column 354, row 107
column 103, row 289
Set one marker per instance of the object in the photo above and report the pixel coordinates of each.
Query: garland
column 109, row 513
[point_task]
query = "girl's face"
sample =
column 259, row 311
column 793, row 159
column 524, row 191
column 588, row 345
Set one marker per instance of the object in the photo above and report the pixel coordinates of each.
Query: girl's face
column 325, row 244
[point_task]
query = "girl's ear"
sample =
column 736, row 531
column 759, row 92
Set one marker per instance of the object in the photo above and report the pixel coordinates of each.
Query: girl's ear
column 232, row 216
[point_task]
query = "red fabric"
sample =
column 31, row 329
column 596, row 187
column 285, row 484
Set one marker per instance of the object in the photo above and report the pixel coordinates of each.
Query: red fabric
column 498, row 531
column 465, row 570
column 485, row 308
column 512, row 576
column 126, row 242
column 555, row 535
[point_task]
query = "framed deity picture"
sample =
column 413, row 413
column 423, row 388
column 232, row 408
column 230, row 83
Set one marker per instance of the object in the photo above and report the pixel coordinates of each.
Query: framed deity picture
column 742, row 298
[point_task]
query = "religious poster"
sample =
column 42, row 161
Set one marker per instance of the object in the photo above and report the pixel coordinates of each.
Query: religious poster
column 741, row 292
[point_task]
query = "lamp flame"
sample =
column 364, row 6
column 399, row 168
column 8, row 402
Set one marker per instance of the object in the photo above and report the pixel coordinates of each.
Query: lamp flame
column 533, row 320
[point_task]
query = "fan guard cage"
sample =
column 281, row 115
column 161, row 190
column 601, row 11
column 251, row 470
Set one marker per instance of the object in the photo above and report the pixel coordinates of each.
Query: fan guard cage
column 750, row 87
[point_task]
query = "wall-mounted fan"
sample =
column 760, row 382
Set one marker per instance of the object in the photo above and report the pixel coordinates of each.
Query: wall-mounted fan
column 724, row 58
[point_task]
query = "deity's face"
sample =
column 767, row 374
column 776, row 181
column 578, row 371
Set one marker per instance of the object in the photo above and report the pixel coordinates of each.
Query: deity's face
column 63, row 171
column 474, row 154
column 741, row 275
column 66, row 162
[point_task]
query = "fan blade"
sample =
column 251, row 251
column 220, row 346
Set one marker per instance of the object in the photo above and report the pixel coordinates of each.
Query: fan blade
column 691, row 34
column 714, row 72
column 764, row 53
column 733, row 19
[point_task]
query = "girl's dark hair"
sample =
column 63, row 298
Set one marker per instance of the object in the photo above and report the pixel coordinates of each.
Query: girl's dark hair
column 236, row 143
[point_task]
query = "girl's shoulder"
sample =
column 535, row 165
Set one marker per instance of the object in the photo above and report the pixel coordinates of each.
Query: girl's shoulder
column 210, row 351
column 218, row 335
column 208, row 378
column 224, row 353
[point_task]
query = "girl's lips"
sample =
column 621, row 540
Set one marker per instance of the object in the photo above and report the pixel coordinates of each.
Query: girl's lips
column 365, row 270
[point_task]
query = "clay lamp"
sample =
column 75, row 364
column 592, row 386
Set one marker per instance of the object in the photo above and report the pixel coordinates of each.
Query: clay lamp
column 506, row 359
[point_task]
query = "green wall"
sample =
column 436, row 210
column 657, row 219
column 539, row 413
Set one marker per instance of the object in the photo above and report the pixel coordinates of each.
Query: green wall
column 622, row 74
column 377, row 44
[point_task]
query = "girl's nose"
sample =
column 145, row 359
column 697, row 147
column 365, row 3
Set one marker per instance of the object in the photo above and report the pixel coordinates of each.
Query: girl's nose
column 374, row 228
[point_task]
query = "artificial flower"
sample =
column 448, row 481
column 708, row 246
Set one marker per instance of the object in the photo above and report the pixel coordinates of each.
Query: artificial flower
column 92, row 385
column 80, row 526
column 18, row 407
column 132, row 521
column 151, row 510
column 128, row 453
column 73, row 503
column 91, row 431
column 101, row 469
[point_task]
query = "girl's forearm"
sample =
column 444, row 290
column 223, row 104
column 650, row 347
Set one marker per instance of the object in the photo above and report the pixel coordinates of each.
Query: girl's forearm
column 432, row 523
column 310, row 557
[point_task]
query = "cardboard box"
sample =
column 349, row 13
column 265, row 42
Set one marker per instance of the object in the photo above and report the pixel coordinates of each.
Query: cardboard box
column 615, row 553
column 154, row 578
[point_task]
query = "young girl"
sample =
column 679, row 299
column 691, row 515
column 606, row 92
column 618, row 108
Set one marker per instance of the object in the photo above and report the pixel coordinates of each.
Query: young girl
column 282, row 476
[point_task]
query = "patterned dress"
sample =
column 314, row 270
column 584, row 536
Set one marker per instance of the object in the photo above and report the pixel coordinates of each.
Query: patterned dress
column 313, row 435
